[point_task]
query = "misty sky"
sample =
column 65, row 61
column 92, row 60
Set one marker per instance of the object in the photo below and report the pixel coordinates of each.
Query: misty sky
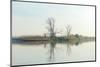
column 30, row 18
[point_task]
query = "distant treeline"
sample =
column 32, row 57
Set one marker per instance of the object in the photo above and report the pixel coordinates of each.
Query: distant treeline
column 58, row 38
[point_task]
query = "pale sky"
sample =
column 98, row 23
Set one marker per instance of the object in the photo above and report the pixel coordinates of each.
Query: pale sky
column 30, row 18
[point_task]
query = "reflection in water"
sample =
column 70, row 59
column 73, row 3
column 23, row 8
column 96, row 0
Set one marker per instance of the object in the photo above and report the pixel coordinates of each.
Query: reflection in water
column 52, row 50
column 52, row 45
column 45, row 44
column 68, row 46
column 68, row 51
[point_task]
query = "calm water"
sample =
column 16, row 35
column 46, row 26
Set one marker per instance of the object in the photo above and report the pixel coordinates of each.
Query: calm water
column 23, row 54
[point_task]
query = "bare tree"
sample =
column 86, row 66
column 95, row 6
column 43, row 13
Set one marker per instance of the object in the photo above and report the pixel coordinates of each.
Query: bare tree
column 51, row 27
column 68, row 28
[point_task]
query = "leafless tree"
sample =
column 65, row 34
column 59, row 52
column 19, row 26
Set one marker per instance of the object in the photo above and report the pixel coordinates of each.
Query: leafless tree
column 51, row 27
column 68, row 28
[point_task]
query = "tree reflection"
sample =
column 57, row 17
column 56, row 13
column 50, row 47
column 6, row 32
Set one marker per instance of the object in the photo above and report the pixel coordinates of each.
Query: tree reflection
column 52, row 50
column 69, row 44
column 53, row 44
column 68, row 51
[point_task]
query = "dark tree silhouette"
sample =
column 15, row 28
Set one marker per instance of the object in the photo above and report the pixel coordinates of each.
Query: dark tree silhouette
column 51, row 28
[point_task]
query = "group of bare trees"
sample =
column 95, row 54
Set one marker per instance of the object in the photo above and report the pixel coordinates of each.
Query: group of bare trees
column 52, row 31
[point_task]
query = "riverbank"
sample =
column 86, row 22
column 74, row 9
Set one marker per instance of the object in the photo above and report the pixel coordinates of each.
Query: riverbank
column 42, row 39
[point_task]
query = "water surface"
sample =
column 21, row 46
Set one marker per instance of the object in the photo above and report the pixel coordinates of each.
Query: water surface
column 23, row 54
